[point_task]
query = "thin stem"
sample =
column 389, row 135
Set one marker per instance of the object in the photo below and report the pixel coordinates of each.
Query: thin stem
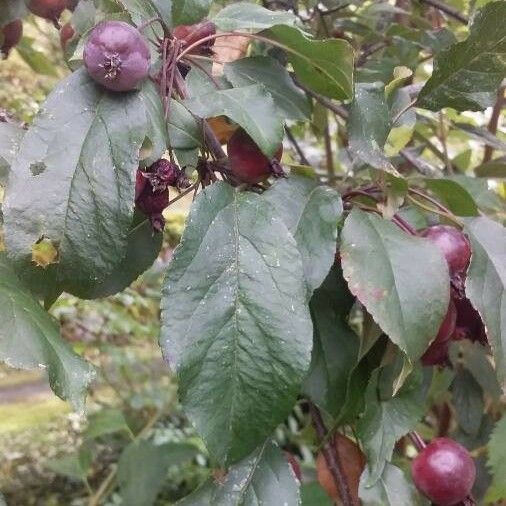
column 403, row 110
column 494, row 121
column 420, row 165
column 454, row 13
column 150, row 22
column 431, row 200
column 435, row 211
column 443, row 139
column 252, row 36
column 403, row 224
column 373, row 48
column 329, row 155
column 417, row 440
column 326, row 102
column 193, row 61
column 183, row 194
column 296, row 146
column 331, row 457
column 107, row 485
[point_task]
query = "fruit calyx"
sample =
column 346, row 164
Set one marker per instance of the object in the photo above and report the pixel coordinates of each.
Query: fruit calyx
column 152, row 189
column 117, row 56
column 444, row 472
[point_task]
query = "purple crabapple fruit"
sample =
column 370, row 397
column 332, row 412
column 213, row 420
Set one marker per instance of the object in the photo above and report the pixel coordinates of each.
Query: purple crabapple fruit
column 444, row 472
column 47, row 9
column 247, row 162
column 10, row 34
column 453, row 244
column 190, row 34
column 117, row 56
column 437, row 352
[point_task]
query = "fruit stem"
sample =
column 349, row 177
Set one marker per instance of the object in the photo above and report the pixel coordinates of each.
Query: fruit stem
column 296, row 146
column 417, row 440
column 149, row 22
column 449, row 217
column 331, row 457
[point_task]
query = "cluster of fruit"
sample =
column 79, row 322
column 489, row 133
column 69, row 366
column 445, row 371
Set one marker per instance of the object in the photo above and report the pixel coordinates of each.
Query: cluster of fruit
column 462, row 321
column 443, row 471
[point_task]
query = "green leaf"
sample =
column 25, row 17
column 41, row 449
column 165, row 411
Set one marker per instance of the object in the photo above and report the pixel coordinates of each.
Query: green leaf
column 290, row 101
column 402, row 280
column 325, row 66
column 264, row 477
column 386, row 421
column 497, row 462
column 142, row 250
column 311, row 213
column 36, row 60
column 455, row 196
column 74, row 466
column 336, row 346
column 486, row 199
column 468, row 401
column 142, row 469
column 106, row 421
column 486, row 282
column 249, row 16
column 369, row 125
column 11, row 10
column 392, row 489
column 10, row 139
column 187, row 12
column 492, row 169
column 402, row 130
column 252, row 107
column 475, row 359
column 482, row 134
column 72, row 184
column 312, row 494
column 184, row 130
column 29, row 339
column 156, row 141
column 466, row 75
column 236, row 326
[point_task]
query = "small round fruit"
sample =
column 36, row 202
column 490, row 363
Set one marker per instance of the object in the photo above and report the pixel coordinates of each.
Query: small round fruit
column 247, row 162
column 47, row 9
column 453, row 244
column 444, row 472
column 190, row 34
column 117, row 56
column 437, row 352
column 66, row 33
column 353, row 463
column 10, row 35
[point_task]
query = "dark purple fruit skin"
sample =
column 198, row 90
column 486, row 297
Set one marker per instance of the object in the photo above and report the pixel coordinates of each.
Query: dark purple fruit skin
column 11, row 35
column 117, row 56
column 437, row 352
column 444, row 472
column 247, row 162
column 453, row 244
column 189, row 34
column 47, row 9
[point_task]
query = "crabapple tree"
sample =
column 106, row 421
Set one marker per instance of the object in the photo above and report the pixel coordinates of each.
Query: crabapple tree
column 344, row 255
